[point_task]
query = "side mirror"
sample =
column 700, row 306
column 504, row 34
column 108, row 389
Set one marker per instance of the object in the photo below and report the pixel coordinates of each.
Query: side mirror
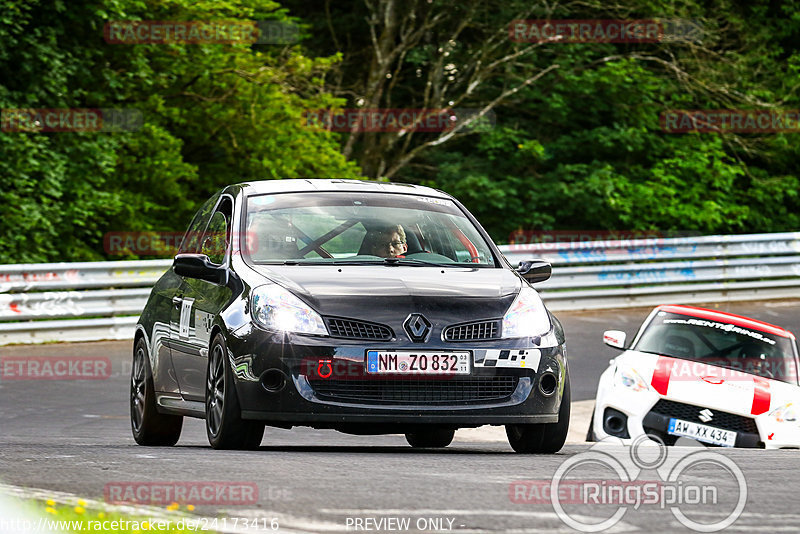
column 614, row 338
column 200, row 267
column 535, row 270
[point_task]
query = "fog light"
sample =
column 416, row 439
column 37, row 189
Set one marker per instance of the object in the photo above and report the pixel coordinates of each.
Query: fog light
column 548, row 383
column 615, row 423
column 273, row 380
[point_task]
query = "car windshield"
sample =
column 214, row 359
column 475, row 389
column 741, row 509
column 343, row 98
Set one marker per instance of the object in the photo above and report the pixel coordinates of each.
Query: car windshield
column 322, row 228
column 721, row 344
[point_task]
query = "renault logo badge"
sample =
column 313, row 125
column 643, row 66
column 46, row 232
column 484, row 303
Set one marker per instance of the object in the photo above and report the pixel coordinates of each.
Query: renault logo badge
column 417, row 327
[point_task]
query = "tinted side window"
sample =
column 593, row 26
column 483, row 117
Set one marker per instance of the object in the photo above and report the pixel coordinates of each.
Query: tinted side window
column 191, row 240
column 217, row 236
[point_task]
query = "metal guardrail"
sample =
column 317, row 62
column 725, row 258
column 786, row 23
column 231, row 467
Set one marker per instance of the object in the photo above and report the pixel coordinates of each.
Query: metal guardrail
column 101, row 300
column 647, row 272
column 86, row 301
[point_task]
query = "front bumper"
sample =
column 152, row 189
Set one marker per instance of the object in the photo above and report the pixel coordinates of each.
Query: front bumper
column 279, row 380
column 648, row 413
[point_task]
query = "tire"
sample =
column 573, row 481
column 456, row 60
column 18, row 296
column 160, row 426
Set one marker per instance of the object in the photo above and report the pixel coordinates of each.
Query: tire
column 149, row 427
column 434, row 438
column 542, row 438
column 590, row 432
column 224, row 424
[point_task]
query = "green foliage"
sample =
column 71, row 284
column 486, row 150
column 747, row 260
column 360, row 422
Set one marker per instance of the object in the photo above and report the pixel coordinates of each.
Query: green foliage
column 212, row 115
column 585, row 150
column 582, row 148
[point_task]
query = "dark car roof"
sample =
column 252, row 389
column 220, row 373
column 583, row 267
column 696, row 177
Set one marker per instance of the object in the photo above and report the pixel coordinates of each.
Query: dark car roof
column 336, row 184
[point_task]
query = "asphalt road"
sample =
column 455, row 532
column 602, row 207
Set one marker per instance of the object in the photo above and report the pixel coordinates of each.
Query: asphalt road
column 74, row 437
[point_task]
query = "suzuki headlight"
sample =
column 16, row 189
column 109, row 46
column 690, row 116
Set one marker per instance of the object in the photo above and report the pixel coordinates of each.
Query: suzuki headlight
column 527, row 316
column 630, row 379
column 276, row 308
column 785, row 413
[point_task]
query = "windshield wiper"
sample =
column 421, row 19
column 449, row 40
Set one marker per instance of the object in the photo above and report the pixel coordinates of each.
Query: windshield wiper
column 420, row 263
column 377, row 261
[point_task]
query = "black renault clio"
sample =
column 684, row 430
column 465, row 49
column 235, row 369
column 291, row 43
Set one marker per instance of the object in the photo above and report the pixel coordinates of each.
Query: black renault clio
column 365, row 307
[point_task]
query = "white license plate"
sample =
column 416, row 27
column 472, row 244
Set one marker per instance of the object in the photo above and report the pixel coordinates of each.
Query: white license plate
column 706, row 434
column 418, row 363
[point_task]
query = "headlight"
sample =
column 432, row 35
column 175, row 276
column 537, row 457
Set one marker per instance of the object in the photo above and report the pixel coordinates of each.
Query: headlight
column 526, row 317
column 785, row 413
column 275, row 308
column 631, row 379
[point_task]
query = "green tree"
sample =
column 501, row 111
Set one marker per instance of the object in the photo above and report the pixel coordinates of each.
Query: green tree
column 212, row 115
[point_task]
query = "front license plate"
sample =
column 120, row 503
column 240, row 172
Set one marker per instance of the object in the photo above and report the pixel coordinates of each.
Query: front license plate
column 706, row 434
column 418, row 363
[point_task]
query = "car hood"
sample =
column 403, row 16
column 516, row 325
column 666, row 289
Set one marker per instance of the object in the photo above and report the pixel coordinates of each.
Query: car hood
column 374, row 292
column 706, row 385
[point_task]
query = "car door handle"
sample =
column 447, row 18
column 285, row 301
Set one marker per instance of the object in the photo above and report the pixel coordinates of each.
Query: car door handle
column 176, row 301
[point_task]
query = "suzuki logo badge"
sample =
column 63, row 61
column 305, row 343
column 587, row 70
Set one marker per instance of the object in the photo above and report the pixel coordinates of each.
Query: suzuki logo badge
column 417, row 327
column 706, row 415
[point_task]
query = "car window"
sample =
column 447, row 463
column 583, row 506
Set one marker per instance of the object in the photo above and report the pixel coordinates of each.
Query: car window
column 216, row 238
column 362, row 227
column 721, row 344
column 191, row 239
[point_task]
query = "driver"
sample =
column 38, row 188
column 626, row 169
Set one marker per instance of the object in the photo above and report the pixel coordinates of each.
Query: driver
column 389, row 242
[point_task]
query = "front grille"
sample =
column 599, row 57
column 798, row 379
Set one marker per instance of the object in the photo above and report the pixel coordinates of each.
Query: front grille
column 348, row 328
column 419, row 391
column 689, row 412
column 478, row 331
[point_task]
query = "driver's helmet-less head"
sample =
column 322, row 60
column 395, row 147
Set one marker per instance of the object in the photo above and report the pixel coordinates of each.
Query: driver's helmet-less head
column 386, row 242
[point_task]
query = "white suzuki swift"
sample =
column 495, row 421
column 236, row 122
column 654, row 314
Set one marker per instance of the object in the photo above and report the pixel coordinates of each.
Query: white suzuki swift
column 714, row 377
